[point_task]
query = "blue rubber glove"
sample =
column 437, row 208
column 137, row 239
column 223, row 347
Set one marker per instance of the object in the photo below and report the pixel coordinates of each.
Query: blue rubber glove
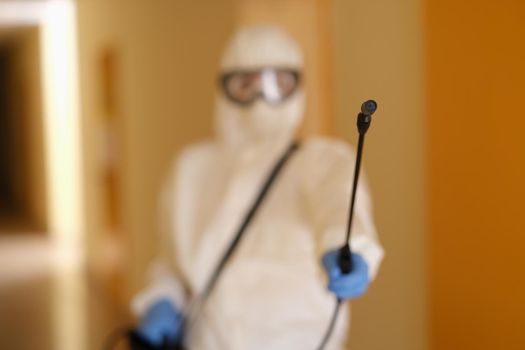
column 346, row 286
column 161, row 322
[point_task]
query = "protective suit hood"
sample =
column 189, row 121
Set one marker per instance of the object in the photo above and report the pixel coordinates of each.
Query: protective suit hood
column 259, row 124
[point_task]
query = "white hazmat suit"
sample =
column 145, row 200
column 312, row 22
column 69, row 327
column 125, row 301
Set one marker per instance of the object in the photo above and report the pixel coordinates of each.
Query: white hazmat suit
column 272, row 294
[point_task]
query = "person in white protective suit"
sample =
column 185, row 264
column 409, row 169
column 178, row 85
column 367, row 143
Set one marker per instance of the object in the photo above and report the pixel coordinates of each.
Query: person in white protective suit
column 272, row 293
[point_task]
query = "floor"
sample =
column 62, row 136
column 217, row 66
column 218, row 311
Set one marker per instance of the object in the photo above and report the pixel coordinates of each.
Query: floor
column 47, row 300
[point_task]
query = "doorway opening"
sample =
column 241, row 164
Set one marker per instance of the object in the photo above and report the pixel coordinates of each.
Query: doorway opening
column 23, row 202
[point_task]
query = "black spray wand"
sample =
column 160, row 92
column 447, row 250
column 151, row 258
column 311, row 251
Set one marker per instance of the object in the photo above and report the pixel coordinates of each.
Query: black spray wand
column 364, row 118
column 363, row 123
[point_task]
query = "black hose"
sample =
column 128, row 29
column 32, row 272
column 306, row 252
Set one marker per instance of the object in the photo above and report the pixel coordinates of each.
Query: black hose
column 331, row 326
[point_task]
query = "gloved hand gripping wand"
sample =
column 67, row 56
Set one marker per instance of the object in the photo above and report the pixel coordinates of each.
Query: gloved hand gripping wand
column 364, row 118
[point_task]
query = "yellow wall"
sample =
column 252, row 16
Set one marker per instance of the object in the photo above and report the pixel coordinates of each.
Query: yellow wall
column 168, row 54
column 379, row 54
column 476, row 89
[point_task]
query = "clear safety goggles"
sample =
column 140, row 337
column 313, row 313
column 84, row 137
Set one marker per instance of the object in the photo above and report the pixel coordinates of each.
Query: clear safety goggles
column 274, row 85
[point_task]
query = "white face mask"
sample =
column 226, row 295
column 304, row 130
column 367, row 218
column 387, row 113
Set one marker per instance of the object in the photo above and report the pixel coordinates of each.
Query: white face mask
column 260, row 122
